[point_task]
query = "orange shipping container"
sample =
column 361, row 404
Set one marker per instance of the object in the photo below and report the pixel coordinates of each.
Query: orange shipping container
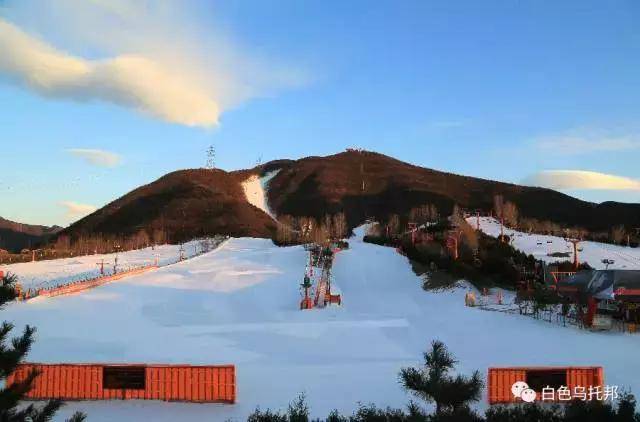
column 500, row 380
column 143, row 382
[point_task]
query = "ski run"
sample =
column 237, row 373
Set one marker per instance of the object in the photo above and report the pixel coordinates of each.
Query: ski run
column 239, row 304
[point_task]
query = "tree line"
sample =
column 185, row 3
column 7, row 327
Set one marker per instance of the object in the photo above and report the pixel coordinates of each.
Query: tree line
column 65, row 246
column 508, row 213
column 296, row 230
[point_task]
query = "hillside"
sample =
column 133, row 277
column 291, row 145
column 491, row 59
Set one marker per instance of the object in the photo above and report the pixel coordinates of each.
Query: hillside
column 16, row 236
column 542, row 247
column 184, row 204
column 363, row 184
column 366, row 184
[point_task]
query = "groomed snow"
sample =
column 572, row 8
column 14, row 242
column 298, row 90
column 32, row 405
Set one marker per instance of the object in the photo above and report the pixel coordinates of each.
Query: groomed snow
column 540, row 246
column 255, row 189
column 239, row 304
column 53, row 272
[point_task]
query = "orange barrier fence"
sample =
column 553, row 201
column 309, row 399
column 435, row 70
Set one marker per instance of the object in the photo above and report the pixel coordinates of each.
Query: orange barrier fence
column 500, row 380
column 216, row 384
column 78, row 286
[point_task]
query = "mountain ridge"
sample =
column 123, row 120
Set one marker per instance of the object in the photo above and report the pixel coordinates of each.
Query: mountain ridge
column 363, row 184
column 16, row 236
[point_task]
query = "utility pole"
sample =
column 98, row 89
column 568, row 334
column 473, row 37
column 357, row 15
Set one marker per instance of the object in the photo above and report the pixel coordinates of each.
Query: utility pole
column 101, row 264
column 115, row 264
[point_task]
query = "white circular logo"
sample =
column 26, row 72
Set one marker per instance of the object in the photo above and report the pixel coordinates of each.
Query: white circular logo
column 528, row 395
column 518, row 387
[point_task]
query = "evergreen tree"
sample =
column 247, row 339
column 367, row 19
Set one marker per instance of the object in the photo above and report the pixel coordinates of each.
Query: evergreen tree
column 10, row 357
column 433, row 383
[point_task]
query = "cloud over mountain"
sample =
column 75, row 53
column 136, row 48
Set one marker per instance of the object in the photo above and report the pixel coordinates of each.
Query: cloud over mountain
column 580, row 179
column 157, row 60
column 75, row 210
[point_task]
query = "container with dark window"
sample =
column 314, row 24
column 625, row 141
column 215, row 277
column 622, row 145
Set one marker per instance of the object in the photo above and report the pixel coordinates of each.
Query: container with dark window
column 143, row 382
column 500, row 380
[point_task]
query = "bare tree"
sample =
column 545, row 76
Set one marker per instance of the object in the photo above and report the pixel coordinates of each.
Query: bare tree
column 321, row 234
column 340, row 225
column 423, row 214
column 433, row 213
column 618, row 234
column 510, row 214
column 285, row 233
column 498, row 205
column 393, row 225
column 307, row 226
column 328, row 225
column 469, row 234
column 159, row 237
column 142, row 239
column 374, row 230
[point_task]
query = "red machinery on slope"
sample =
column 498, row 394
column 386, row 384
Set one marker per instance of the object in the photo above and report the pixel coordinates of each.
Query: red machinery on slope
column 323, row 295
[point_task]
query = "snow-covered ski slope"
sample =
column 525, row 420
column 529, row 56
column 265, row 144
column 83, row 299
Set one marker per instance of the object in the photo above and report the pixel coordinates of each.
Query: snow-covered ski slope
column 540, row 246
column 54, row 272
column 239, row 305
column 255, row 190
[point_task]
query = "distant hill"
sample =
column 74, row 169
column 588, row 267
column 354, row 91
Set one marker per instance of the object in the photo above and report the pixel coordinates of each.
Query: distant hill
column 184, row 204
column 367, row 184
column 16, row 236
column 363, row 184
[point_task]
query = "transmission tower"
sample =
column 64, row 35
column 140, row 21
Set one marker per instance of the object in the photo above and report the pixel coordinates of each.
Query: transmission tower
column 211, row 157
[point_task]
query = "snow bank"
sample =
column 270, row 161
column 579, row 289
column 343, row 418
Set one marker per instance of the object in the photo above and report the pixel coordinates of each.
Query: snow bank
column 540, row 246
column 54, row 272
column 239, row 304
column 255, row 189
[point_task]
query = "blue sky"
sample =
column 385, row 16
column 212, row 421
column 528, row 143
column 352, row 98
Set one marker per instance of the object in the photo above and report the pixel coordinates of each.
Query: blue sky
column 521, row 91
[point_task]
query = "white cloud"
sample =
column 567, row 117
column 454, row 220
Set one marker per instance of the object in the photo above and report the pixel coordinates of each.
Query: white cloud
column 97, row 157
column 580, row 179
column 585, row 143
column 149, row 56
column 75, row 210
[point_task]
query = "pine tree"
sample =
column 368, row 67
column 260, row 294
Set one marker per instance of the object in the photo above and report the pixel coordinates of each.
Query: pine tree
column 10, row 357
column 434, row 384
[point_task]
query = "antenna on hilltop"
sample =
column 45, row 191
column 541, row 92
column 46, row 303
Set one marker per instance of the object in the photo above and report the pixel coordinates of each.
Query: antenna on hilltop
column 211, row 157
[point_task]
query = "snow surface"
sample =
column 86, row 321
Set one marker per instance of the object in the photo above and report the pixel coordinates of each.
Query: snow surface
column 53, row 272
column 239, row 305
column 255, row 189
column 540, row 246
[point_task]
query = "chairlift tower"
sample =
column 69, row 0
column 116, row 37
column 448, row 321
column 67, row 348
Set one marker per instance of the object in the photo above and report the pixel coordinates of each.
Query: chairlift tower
column 575, row 243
